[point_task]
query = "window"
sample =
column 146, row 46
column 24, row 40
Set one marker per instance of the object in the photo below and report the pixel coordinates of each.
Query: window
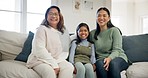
column 35, row 13
column 10, row 15
column 22, row 15
column 145, row 25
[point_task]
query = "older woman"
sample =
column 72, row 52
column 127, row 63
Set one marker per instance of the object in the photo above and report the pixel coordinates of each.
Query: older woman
column 50, row 47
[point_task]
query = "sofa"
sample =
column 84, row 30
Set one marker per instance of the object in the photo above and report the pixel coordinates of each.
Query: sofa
column 15, row 48
column 136, row 49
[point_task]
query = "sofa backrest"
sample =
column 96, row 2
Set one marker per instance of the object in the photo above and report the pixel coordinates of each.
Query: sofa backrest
column 136, row 47
column 11, row 43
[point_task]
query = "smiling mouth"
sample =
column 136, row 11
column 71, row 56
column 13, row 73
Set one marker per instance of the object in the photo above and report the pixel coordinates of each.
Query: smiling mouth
column 83, row 35
column 101, row 21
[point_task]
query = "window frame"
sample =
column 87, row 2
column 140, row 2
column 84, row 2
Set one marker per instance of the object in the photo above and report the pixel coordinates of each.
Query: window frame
column 21, row 9
column 143, row 25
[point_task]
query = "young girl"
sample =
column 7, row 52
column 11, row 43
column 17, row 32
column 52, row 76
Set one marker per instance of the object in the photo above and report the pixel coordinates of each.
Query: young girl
column 82, row 54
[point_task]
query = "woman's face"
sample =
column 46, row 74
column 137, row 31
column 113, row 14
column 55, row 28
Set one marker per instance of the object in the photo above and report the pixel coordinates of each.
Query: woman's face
column 102, row 18
column 53, row 17
column 83, row 32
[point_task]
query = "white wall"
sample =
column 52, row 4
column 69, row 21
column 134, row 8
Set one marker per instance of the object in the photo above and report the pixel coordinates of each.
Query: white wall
column 130, row 13
column 141, row 10
column 72, row 17
column 124, row 10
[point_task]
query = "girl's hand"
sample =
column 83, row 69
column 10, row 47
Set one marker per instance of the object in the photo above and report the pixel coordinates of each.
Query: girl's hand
column 57, row 70
column 106, row 63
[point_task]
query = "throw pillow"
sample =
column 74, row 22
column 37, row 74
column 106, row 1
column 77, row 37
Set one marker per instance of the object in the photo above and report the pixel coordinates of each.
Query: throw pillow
column 26, row 50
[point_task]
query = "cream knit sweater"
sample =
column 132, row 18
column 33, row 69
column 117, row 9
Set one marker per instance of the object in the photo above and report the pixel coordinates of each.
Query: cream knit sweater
column 49, row 46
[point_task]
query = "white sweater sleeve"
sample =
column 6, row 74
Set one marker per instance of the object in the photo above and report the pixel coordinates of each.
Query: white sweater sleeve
column 39, row 48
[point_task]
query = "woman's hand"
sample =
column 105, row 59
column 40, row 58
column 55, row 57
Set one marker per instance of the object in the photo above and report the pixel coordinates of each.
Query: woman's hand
column 106, row 63
column 94, row 67
column 75, row 70
column 57, row 70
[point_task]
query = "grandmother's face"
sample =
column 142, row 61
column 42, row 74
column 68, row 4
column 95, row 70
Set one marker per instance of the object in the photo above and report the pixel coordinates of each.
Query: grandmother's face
column 53, row 17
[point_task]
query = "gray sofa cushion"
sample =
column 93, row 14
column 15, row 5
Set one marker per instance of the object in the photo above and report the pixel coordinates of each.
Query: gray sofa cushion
column 136, row 47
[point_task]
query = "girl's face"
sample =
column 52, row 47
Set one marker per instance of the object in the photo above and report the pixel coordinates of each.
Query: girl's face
column 102, row 18
column 53, row 17
column 83, row 32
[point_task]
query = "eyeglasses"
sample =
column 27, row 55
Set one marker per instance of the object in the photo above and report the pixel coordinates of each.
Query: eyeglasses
column 53, row 14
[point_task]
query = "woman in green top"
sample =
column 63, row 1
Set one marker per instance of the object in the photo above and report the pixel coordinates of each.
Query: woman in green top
column 107, row 39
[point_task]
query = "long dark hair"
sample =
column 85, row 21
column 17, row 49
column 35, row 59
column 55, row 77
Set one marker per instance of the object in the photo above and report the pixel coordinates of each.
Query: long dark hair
column 109, row 23
column 78, row 40
column 60, row 25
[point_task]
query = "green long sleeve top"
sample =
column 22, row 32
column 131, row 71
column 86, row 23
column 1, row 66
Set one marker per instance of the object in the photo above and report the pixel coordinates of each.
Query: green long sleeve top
column 109, row 44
